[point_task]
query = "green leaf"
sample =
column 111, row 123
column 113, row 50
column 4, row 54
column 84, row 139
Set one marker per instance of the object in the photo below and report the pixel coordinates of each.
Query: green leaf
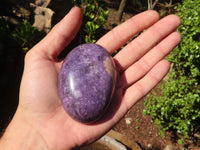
column 180, row 141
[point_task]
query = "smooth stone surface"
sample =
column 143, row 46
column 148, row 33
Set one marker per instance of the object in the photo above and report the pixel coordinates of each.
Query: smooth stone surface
column 86, row 82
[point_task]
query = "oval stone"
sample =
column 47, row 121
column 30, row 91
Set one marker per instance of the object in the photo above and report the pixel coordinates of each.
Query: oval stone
column 86, row 82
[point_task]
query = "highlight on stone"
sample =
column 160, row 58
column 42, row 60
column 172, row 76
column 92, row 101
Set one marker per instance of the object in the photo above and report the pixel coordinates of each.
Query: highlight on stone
column 86, row 82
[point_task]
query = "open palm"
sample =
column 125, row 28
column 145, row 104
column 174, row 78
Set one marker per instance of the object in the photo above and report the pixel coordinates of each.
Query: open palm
column 140, row 64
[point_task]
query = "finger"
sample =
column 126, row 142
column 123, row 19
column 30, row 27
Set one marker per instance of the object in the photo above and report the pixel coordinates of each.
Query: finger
column 138, row 47
column 61, row 35
column 144, row 86
column 144, row 65
column 117, row 37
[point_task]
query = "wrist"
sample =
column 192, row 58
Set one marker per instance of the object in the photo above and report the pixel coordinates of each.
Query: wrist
column 20, row 135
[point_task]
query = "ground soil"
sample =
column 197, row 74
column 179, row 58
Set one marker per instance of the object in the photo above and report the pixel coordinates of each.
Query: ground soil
column 140, row 129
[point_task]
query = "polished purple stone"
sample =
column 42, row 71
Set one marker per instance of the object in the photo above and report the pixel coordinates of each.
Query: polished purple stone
column 86, row 82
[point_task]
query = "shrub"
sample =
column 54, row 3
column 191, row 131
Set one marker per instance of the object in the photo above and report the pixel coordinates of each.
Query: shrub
column 94, row 17
column 178, row 107
column 24, row 34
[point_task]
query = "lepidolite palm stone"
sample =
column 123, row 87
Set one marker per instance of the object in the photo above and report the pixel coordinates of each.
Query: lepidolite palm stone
column 86, row 82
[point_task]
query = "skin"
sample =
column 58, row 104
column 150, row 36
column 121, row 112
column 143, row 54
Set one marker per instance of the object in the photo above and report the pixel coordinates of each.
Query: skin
column 40, row 121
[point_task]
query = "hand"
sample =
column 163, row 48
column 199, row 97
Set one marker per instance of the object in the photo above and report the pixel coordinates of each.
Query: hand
column 141, row 67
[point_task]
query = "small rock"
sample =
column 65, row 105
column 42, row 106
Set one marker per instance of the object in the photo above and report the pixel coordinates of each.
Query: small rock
column 169, row 147
column 128, row 120
column 197, row 135
column 42, row 18
column 149, row 146
column 43, row 3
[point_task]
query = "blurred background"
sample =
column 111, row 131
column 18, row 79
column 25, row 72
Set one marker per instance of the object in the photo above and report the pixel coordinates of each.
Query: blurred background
column 169, row 115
